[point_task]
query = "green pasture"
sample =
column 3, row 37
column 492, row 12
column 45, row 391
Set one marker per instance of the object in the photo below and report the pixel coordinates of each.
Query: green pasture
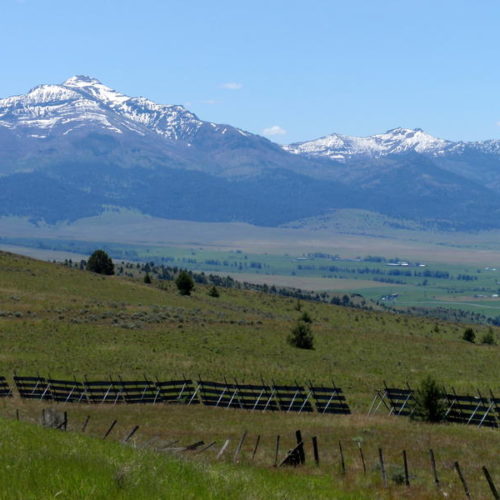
column 43, row 463
column 39, row 463
column 66, row 322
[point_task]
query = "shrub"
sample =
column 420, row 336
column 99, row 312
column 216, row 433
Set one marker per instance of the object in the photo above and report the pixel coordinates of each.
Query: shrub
column 147, row 279
column 488, row 338
column 429, row 401
column 301, row 336
column 469, row 335
column 185, row 283
column 100, row 262
column 213, row 292
column 305, row 317
column 396, row 473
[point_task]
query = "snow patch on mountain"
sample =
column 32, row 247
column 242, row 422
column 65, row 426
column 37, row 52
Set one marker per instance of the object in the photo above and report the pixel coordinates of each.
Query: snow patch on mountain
column 94, row 88
column 398, row 140
column 172, row 121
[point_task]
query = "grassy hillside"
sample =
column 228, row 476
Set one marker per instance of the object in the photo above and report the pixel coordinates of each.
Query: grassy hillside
column 64, row 322
column 81, row 467
column 37, row 463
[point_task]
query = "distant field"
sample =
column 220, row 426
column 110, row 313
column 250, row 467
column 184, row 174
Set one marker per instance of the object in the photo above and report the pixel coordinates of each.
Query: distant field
column 38, row 253
column 348, row 233
column 423, row 283
column 305, row 283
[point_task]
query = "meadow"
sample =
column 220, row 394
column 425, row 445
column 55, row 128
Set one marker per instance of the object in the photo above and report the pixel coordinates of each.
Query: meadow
column 65, row 322
column 41, row 463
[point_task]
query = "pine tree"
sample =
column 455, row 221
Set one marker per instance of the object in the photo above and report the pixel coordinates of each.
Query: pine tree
column 469, row 335
column 301, row 336
column 429, row 403
column 100, row 262
column 185, row 283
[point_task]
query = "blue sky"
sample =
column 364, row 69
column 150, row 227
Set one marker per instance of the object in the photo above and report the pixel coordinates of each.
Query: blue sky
column 298, row 69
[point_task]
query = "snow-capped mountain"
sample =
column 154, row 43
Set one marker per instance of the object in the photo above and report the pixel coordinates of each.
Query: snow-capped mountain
column 70, row 150
column 82, row 101
column 476, row 161
column 398, row 140
column 82, row 107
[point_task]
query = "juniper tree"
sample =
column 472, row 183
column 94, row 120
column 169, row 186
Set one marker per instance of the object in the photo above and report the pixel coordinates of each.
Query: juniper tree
column 469, row 335
column 301, row 336
column 100, row 262
column 429, row 401
column 185, row 283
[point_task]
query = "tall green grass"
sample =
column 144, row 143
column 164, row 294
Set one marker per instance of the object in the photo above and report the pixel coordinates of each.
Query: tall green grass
column 37, row 463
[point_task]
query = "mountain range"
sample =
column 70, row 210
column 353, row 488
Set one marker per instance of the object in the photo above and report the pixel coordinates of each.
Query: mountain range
column 75, row 149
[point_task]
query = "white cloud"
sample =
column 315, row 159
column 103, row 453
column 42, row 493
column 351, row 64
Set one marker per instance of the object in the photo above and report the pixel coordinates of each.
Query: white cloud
column 274, row 130
column 231, row 86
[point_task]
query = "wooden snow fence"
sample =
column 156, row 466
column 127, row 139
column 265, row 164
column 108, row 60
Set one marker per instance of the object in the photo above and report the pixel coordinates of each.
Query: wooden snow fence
column 463, row 409
column 255, row 397
column 5, row 390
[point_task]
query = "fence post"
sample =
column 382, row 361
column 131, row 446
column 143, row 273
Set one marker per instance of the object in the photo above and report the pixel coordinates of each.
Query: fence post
column 434, row 470
column 108, row 432
column 405, row 463
column 491, row 484
column 277, row 450
column 462, row 479
column 382, row 467
column 238, row 448
column 223, row 449
column 131, row 433
column 315, row 449
column 342, row 461
column 256, row 446
column 362, row 457
column 302, row 454
column 207, row 447
column 84, row 426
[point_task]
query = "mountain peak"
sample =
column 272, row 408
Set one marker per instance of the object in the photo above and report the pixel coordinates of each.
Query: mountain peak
column 396, row 140
column 94, row 88
column 405, row 131
column 81, row 81
column 84, row 102
column 397, row 130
